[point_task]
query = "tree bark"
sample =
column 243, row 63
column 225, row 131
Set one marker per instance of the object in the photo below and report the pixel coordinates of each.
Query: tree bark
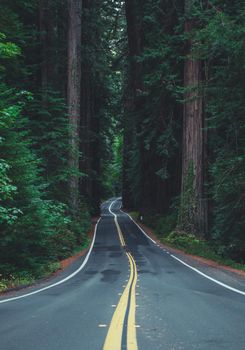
column 132, row 99
column 73, row 97
column 193, row 214
column 91, row 104
column 87, row 103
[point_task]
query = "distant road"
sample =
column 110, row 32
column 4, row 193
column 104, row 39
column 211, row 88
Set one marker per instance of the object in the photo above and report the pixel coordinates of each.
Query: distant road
column 127, row 293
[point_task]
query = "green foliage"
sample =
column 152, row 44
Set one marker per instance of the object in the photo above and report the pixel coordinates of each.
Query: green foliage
column 111, row 180
column 49, row 129
column 103, row 32
column 135, row 215
column 21, row 279
column 35, row 226
column 14, row 281
column 7, row 49
column 7, row 214
column 228, row 194
column 23, row 173
column 65, row 233
column 154, row 120
column 192, row 245
column 220, row 42
column 187, row 242
column 162, row 225
column 166, row 224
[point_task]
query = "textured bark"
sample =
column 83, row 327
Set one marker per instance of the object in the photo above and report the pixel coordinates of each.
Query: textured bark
column 73, row 96
column 131, row 103
column 193, row 207
column 87, row 105
column 86, row 130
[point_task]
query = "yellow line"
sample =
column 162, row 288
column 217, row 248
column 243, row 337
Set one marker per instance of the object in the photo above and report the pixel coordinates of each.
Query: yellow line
column 120, row 233
column 113, row 339
column 131, row 331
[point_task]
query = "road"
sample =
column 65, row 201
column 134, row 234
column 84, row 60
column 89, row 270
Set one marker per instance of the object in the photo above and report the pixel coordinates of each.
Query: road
column 127, row 293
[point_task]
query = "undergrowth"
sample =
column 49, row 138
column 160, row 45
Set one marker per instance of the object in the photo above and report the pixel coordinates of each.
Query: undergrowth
column 67, row 239
column 25, row 278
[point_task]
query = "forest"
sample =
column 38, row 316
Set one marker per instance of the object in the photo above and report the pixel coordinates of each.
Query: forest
column 142, row 99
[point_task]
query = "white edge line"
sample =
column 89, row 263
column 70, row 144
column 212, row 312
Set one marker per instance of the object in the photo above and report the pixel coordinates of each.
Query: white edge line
column 61, row 281
column 140, row 228
column 208, row 277
column 110, row 208
column 189, row 266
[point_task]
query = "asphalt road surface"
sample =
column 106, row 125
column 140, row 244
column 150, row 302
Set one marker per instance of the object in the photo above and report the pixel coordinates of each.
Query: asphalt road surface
column 127, row 293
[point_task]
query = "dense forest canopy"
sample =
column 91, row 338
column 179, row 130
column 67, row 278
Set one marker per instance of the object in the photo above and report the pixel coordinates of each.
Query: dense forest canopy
column 102, row 98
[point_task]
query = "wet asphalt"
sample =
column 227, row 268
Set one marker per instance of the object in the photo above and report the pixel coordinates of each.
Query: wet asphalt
column 177, row 308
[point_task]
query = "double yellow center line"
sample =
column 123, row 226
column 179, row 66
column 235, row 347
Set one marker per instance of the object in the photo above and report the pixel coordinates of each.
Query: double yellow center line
column 127, row 301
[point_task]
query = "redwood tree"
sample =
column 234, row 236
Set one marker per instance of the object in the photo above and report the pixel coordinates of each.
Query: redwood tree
column 193, row 213
column 73, row 96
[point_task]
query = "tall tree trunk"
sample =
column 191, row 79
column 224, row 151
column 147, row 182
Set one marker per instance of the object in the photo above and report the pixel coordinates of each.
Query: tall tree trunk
column 193, row 215
column 131, row 104
column 73, row 96
column 87, row 102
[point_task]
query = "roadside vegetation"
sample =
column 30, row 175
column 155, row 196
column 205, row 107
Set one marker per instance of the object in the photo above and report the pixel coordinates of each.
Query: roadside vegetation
column 184, row 163
column 164, row 228
column 43, row 219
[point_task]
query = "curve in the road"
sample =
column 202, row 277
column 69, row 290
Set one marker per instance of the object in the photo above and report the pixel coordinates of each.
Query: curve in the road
column 178, row 307
column 123, row 244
